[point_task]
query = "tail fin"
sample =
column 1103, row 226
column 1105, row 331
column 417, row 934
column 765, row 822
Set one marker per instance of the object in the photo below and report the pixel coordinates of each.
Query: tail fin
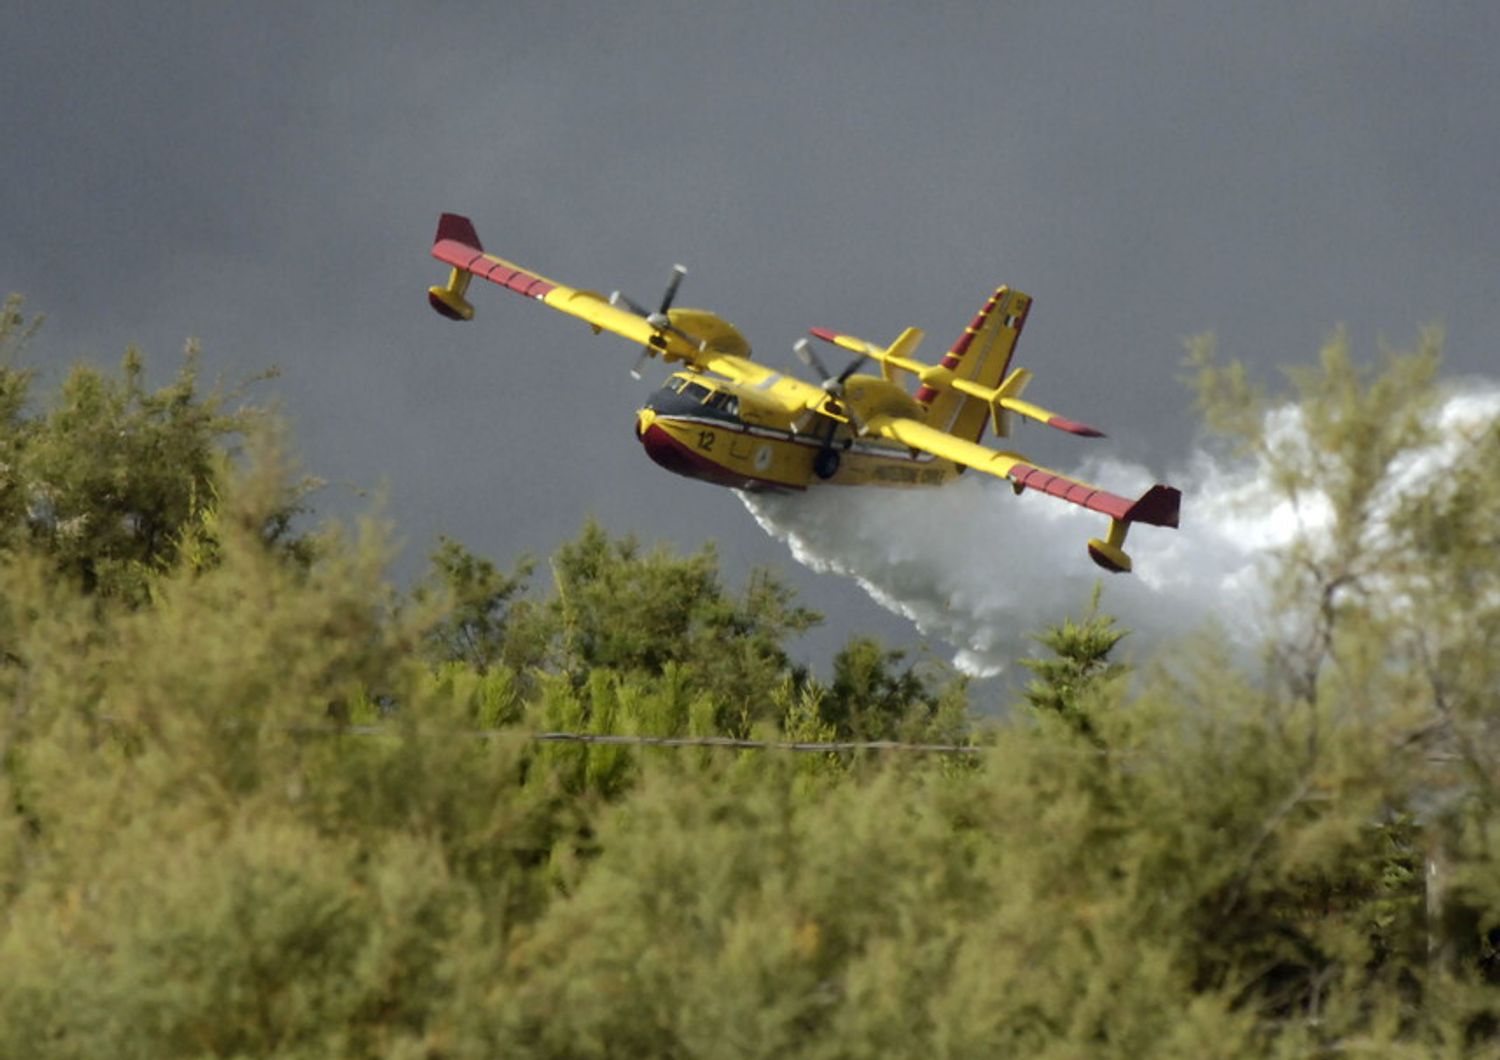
column 459, row 229
column 449, row 300
column 1158, row 506
column 981, row 355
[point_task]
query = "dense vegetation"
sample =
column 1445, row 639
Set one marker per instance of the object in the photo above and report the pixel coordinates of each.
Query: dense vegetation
column 255, row 801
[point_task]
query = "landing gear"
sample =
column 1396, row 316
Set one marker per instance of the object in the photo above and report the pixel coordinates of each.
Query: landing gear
column 826, row 464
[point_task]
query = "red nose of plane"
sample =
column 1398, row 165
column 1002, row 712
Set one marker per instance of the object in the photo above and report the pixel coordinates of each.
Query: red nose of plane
column 668, row 452
column 679, row 457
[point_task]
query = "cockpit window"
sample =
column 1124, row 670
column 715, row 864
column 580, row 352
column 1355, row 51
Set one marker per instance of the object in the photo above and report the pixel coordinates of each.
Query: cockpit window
column 708, row 397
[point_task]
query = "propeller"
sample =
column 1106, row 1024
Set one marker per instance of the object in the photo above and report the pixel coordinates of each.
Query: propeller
column 659, row 319
column 833, row 385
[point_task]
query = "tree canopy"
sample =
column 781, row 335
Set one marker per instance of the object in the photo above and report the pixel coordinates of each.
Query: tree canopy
column 257, row 800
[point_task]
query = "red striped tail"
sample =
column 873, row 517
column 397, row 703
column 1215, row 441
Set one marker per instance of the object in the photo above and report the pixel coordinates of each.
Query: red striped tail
column 981, row 355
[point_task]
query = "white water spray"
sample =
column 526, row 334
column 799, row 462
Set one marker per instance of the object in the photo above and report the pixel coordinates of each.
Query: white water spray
column 981, row 569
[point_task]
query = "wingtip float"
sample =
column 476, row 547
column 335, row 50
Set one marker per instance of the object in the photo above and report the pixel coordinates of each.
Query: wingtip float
column 726, row 419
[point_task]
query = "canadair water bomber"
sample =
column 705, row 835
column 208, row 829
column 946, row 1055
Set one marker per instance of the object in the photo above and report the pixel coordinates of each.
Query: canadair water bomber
column 727, row 419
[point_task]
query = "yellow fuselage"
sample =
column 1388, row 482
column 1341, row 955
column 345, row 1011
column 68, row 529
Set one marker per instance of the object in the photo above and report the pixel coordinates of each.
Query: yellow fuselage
column 700, row 428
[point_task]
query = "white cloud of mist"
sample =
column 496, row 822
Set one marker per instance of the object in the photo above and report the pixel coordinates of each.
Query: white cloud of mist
column 980, row 569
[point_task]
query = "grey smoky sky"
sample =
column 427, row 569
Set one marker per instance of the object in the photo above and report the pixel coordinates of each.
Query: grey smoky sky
column 267, row 177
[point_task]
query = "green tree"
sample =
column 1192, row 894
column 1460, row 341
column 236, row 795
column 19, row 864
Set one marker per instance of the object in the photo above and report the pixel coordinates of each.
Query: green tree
column 15, row 426
column 478, row 598
column 1069, row 682
column 111, row 479
column 873, row 697
column 1384, row 663
column 619, row 609
column 1196, row 861
column 193, row 861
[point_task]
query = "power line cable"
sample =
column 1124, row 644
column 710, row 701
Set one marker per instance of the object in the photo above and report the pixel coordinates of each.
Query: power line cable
column 723, row 742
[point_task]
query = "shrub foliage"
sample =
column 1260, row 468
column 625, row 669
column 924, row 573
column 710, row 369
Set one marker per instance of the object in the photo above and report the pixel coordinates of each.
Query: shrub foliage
column 256, row 801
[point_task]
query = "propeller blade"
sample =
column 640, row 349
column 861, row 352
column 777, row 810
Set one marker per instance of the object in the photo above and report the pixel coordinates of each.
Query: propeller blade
column 616, row 298
column 804, row 351
column 678, row 272
column 849, row 369
column 640, row 362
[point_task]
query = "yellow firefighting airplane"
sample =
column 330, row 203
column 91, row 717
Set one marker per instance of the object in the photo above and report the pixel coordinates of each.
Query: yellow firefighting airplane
column 728, row 420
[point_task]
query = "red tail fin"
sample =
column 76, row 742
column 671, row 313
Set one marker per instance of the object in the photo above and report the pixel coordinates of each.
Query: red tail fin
column 981, row 355
column 457, row 244
column 1158, row 506
column 459, row 229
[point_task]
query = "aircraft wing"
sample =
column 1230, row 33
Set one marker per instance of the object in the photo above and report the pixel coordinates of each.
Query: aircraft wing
column 695, row 336
column 1158, row 506
column 457, row 244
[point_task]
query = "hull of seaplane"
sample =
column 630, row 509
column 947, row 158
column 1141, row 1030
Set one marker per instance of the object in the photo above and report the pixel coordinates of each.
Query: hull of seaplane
column 729, row 452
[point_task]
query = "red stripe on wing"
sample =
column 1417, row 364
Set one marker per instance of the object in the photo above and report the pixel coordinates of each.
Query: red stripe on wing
column 1111, row 504
column 518, row 280
column 463, row 256
column 1062, row 423
column 459, row 255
